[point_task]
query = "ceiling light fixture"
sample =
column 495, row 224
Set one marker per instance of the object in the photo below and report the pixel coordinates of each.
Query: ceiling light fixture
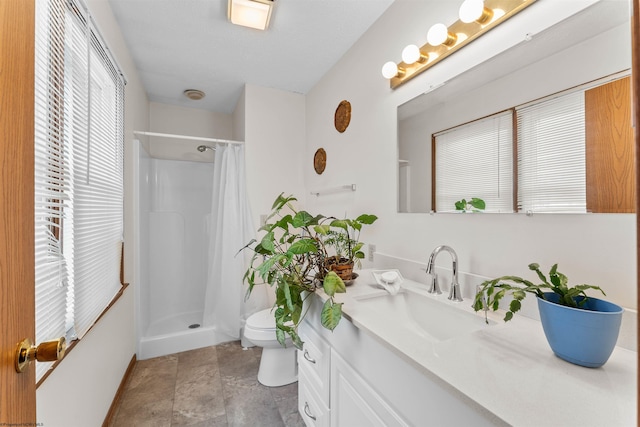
column 250, row 13
column 477, row 17
column 194, row 94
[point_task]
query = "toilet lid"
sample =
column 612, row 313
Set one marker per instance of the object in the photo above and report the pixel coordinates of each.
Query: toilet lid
column 262, row 320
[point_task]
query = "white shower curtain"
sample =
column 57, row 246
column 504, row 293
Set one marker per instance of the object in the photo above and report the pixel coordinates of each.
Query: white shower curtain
column 231, row 228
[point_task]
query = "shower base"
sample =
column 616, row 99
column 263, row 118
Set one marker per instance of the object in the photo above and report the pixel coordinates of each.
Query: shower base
column 176, row 334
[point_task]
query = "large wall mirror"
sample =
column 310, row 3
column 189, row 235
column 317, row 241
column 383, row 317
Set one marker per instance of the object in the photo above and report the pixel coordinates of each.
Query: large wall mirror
column 585, row 54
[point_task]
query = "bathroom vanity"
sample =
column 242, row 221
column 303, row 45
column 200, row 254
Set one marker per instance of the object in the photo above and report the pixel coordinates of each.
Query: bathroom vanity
column 349, row 378
column 386, row 364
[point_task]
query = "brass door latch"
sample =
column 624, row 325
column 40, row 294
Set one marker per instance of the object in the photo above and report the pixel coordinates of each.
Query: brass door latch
column 45, row 352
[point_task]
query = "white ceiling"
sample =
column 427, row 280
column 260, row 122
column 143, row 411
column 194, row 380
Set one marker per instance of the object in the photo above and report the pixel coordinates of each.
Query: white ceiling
column 189, row 44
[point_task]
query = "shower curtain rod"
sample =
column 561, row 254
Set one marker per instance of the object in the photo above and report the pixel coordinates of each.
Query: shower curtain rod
column 195, row 138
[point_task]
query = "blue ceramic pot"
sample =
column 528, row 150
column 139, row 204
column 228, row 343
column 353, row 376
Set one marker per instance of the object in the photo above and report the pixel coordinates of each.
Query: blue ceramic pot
column 586, row 336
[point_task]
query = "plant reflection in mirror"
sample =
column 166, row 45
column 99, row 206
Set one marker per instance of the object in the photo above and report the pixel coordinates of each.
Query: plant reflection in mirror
column 473, row 205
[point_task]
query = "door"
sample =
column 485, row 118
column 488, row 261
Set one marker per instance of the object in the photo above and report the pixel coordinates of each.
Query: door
column 610, row 157
column 17, row 291
column 354, row 402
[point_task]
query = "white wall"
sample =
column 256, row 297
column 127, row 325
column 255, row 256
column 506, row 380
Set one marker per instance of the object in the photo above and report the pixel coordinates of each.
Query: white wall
column 596, row 249
column 416, row 149
column 80, row 390
column 274, row 136
column 272, row 124
column 239, row 118
column 165, row 118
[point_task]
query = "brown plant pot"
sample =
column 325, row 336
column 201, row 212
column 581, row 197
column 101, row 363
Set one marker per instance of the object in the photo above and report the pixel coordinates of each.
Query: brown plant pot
column 344, row 271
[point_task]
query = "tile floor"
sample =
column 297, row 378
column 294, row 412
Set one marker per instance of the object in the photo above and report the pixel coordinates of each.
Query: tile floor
column 211, row 386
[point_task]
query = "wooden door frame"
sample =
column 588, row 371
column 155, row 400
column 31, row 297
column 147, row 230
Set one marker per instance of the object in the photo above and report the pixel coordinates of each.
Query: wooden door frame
column 635, row 102
column 17, row 290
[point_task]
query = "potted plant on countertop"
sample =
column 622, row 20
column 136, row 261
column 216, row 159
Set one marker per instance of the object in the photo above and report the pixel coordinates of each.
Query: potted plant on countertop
column 342, row 235
column 579, row 329
column 292, row 256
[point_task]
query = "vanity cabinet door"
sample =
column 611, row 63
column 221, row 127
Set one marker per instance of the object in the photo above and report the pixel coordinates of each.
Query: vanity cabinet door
column 314, row 361
column 354, row 402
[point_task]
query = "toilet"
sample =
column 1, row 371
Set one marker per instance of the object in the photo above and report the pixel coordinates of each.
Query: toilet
column 278, row 365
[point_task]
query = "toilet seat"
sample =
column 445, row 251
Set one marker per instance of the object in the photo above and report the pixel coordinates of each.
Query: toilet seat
column 261, row 326
column 262, row 320
column 260, row 329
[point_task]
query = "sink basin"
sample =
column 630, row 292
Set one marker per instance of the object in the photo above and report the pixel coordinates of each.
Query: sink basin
column 435, row 318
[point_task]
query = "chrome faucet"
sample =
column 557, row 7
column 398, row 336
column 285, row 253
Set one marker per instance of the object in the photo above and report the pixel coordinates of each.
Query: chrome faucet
column 454, row 293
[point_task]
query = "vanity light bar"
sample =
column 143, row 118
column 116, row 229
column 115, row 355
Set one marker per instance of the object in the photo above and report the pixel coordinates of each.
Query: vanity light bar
column 456, row 36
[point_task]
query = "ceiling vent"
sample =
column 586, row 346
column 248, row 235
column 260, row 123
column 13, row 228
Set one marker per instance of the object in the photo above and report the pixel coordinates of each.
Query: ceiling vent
column 194, row 94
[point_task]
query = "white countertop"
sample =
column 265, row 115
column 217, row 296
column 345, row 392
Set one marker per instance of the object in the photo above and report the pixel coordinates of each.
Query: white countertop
column 508, row 369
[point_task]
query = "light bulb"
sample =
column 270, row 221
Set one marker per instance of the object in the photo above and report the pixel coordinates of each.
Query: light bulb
column 474, row 10
column 439, row 34
column 410, row 54
column 471, row 10
column 389, row 70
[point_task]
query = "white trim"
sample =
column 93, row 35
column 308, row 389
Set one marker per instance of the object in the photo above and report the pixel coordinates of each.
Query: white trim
column 195, row 138
column 93, row 25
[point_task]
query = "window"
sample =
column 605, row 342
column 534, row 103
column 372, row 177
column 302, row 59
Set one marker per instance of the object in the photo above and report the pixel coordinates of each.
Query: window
column 475, row 160
column 78, row 173
column 551, row 155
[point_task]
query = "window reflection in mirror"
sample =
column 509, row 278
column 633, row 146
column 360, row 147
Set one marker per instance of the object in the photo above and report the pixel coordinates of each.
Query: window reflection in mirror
column 536, row 154
column 475, row 160
column 561, row 57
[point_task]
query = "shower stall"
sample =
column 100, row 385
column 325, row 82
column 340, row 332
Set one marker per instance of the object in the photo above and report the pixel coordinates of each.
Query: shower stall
column 172, row 215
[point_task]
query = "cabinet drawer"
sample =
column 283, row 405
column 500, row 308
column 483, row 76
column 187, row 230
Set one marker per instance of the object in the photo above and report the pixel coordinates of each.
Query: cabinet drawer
column 314, row 361
column 313, row 410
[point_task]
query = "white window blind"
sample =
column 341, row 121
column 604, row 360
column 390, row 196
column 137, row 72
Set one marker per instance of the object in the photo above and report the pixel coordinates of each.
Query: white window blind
column 551, row 155
column 78, row 173
column 51, row 186
column 475, row 160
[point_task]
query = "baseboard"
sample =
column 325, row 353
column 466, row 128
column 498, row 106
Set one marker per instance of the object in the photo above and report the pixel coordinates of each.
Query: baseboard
column 116, row 399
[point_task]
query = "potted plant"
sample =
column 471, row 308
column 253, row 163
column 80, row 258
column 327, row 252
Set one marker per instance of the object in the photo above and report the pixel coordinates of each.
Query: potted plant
column 342, row 236
column 474, row 204
column 292, row 256
column 580, row 329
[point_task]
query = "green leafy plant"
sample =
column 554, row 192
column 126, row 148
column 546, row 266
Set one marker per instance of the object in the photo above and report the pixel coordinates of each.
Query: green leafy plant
column 495, row 290
column 292, row 256
column 473, row 205
column 342, row 235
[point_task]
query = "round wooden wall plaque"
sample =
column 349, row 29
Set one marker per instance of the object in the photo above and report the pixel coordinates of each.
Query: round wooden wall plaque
column 320, row 160
column 342, row 116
